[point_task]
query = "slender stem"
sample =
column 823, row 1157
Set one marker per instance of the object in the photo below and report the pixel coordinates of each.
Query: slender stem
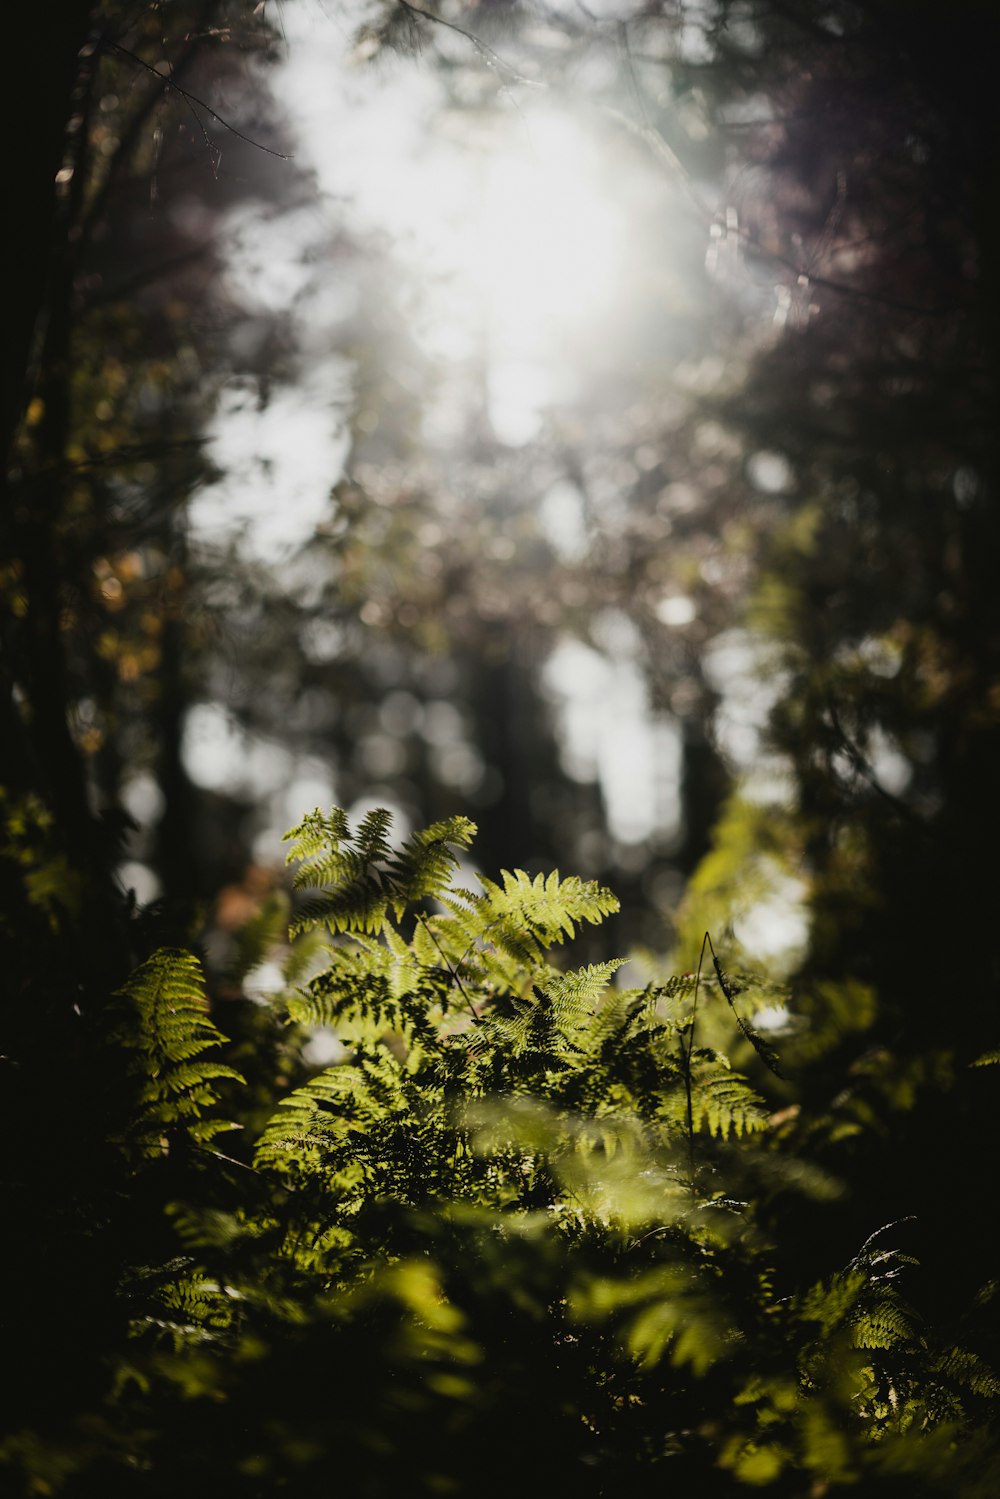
column 444, row 958
column 192, row 99
column 706, row 943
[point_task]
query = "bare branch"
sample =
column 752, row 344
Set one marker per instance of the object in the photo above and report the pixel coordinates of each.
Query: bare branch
column 491, row 58
column 193, row 99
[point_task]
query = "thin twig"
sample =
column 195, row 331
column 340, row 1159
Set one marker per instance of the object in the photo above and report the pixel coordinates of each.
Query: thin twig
column 660, row 149
column 491, row 58
column 193, row 99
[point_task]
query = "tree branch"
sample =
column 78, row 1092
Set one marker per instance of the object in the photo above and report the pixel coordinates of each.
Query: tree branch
column 193, row 99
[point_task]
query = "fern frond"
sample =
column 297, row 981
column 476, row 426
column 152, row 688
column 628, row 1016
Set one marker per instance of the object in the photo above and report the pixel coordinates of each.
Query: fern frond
column 574, row 996
column 967, row 1369
column 307, row 1130
column 358, row 879
column 621, row 1011
column 370, row 989
column 830, row 1303
column 542, row 912
column 677, row 984
column 166, row 1027
column 424, row 866
column 722, row 1101
column 498, row 939
column 317, row 837
column 888, row 1322
column 862, row 1300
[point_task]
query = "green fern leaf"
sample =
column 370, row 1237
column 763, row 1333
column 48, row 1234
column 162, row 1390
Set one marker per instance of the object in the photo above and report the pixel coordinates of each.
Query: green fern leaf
column 356, row 877
column 166, row 1028
column 967, row 1369
column 574, row 996
column 722, row 1101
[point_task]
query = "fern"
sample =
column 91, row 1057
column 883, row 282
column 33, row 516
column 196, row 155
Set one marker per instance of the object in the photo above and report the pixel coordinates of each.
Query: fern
column 468, row 1012
column 521, row 1177
column 499, row 939
column 523, row 1028
column 173, row 1047
column 370, row 990
column 178, row 1302
column 722, row 1101
column 959, row 1366
column 324, row 1125
column 358, row 878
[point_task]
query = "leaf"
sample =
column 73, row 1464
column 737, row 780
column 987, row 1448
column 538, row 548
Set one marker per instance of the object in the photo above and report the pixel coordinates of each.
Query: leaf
column 165, row 1026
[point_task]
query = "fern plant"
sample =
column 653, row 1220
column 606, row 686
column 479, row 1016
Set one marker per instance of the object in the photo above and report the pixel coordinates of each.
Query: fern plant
column 446, row 997
column 484, row 1084
column 173, row 1051
column 529, row 1213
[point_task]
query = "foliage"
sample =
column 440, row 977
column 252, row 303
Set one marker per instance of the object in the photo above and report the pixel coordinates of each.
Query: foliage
column 166, row 1028
column 528, row 1213
column 534, row 1228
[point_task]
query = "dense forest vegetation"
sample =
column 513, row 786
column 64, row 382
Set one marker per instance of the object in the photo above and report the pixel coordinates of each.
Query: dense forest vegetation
column 654, row 1146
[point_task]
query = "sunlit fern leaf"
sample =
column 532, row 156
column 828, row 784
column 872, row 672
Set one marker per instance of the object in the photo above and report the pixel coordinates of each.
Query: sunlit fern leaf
column 547, row 908
column 424, row 866
column 724, row 1103
column 574, row 996
column 620, row 1014
column 318, row 834
column 525, row 1027
column 884, row 1324
column 357, row 906
column 988, row 1059
column 301, row 1140
column 344, row 867
column 303, row 956
column 404, row 970
column 831, row 1303
column 478, row 947
column 177, row 1302
column 678, row 983
column 642, row 1068
column 357, row 877
column 500, row 937
column 305, row 1131
column 165, row 1026
column 369, row 990
column 877, row 1261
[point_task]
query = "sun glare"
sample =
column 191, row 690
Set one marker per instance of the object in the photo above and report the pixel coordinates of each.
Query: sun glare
column 512, row 229
column 539, row 259
column 547, row 247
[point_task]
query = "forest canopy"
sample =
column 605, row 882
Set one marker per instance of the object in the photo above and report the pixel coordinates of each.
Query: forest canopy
column 545, row 456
